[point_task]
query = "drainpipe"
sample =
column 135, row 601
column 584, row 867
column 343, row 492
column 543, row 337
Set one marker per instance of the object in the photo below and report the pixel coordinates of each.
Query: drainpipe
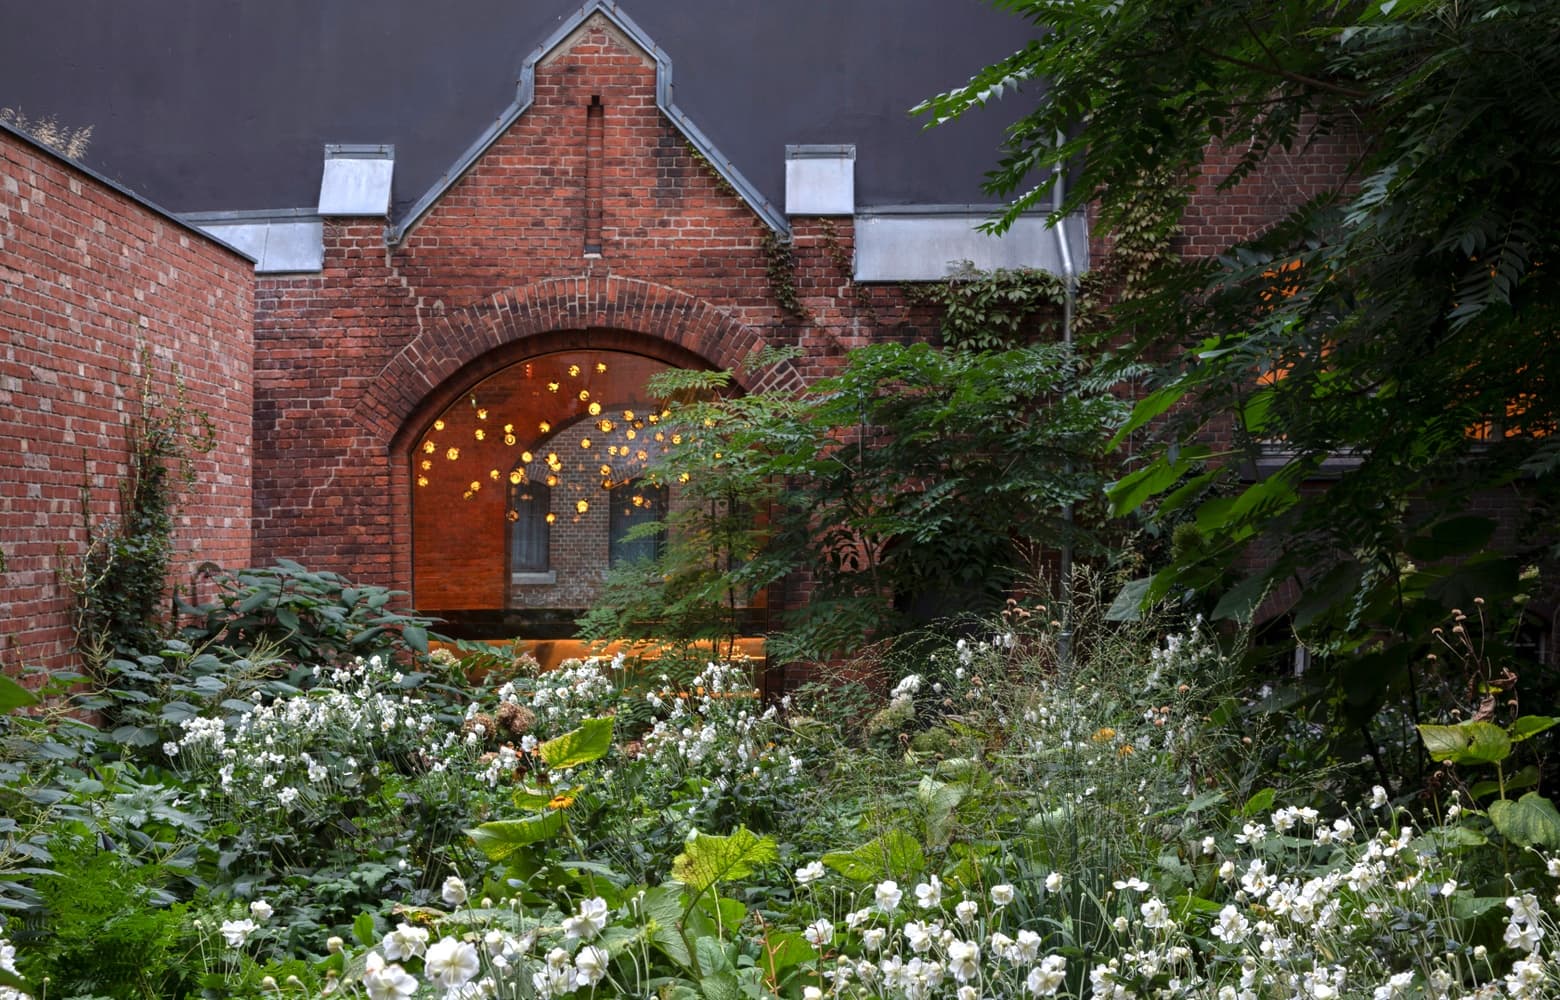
column 1069, row 303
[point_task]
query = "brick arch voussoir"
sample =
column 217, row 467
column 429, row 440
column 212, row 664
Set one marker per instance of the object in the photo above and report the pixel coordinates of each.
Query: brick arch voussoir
column 506, row 323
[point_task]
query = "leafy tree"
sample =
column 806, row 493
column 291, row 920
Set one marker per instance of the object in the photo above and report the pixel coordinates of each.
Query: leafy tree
column 1392, row 333
column 919, row 481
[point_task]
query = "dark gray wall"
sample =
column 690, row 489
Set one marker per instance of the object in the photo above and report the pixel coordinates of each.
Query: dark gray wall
column 206, row 105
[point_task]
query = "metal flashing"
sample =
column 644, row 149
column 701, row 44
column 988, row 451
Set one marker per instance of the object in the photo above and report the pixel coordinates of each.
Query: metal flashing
column 820, row 180
column 525, row 95
column 917, row 244
column 279, row 242
column 356, row 180
column 119, row 188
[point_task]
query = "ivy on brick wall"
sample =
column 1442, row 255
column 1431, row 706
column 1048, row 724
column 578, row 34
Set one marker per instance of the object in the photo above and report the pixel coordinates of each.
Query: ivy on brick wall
column 119, row 581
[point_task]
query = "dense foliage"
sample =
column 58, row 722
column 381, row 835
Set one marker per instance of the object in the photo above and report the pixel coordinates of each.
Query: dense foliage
column 918, row 481
column 997, row 820
column 1391, row 334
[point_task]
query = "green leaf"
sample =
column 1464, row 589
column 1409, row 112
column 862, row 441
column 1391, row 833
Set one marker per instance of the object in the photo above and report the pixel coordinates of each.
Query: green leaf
column 894, row 853
column 1130, row 491
column 783, row 949
column 1150, row 406
column 363, row 930
column 416, row 637
column 589, row 742
column 1529, row 726
column 1128, row 603
column 1530, row 821
column 14, row 696
column 501, row 838
column 1259, row 803
column 1240, row 601
column 1443, row 742
column 1466, row 743
column 708, row 859
column 661, row 909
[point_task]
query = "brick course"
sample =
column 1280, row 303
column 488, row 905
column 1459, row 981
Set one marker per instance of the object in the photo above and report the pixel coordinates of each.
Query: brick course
column 89, row 277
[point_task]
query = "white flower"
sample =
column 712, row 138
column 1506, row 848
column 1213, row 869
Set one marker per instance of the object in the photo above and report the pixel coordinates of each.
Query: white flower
column 386, row 982
column 872, row 938
column 260, row 910
column 887, row 896
column 1047, row 977
column 964, row 960
column 236, row 932
column 966, row 911
column 1231, row 926
column 1155, row 914
column 1378, row 797
column 590, row 965
column 590, row 921
column 1001, row 895
column 1134, row 883
column 1053, row 882
column 929, row 894
column 451, row 963
column 1026, row 949
column 810, row 872
column 811, row 993
column 405, row 941
column 819, row 933
column 921, row 936
column 454, row 891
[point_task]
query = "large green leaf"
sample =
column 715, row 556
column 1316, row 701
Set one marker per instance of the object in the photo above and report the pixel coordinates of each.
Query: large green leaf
column 894, row 853
column 501, row 838
column 14, row 696
column 589, row 742
column 1466, row 743
column 708, row 859
column 661, row 910
column 1530, row 821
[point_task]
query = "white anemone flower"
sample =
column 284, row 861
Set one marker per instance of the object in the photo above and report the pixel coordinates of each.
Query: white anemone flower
column 451, row 963
column 590, row 965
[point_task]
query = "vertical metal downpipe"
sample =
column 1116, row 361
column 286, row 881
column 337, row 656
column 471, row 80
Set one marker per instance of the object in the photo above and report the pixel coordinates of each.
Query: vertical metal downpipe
column 1069, row 303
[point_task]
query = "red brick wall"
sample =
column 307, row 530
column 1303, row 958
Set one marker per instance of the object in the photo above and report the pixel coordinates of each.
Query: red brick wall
column 88, row 278
column 353, row 365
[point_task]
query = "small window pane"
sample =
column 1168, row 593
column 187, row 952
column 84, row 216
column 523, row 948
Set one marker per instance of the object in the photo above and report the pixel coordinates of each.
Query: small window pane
column 528, row 529
column 633, row 503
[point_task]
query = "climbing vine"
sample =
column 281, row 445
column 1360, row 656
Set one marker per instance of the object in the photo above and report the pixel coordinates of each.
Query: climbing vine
column 780, row 264
column 119, row 580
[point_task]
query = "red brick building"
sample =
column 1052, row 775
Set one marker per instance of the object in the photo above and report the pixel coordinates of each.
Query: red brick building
column 439, row 362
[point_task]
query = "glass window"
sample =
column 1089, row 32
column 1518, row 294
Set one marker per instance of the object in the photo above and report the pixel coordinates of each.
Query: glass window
column 529, row 505
column 633, row 503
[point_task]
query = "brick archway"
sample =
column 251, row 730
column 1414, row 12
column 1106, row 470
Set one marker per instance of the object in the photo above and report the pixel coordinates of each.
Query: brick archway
column 456, row 350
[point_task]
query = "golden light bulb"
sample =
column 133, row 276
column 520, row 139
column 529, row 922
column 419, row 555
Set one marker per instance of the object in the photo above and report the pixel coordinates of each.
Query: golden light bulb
column 582, row 506
column 438, row 425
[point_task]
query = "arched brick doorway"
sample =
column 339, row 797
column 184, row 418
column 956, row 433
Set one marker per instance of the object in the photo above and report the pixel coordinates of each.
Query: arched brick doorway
column 513, row 479
column 456, row 350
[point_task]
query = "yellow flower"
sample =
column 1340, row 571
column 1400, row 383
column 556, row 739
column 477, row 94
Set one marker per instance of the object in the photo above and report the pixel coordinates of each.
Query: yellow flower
column 560, row 801
column 1102, row 734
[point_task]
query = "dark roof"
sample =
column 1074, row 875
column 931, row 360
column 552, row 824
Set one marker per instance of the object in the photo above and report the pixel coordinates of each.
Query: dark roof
column 227, row 104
